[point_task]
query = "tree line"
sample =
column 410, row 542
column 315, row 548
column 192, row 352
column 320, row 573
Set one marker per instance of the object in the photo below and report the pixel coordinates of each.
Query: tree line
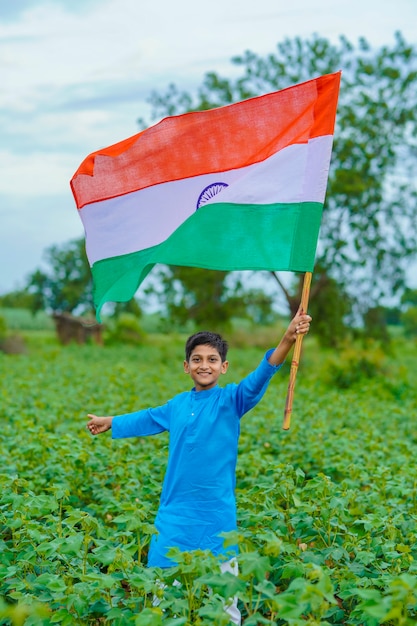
column 368, row 237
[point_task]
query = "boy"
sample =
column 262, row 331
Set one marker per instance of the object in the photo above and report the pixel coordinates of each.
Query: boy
column 198, row 496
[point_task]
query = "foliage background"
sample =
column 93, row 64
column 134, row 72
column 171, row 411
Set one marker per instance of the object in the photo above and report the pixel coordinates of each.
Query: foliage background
column 327, row 511
column 367, row 236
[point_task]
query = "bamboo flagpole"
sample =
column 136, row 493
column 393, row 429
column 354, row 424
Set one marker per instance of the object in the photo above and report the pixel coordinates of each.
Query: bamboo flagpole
column 296, row 355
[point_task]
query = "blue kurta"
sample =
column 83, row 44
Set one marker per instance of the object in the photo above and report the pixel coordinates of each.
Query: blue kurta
column 198, row 495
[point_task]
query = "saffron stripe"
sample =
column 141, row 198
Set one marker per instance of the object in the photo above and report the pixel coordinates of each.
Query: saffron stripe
column 203, row 142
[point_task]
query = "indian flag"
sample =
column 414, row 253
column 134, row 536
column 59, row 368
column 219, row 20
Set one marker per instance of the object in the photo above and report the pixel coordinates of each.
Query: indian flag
column 237, row 187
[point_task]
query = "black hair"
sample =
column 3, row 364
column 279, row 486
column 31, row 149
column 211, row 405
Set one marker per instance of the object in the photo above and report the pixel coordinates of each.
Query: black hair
column 206, row 338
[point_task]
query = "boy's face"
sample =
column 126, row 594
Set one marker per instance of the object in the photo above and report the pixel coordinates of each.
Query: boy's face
column 205, row 367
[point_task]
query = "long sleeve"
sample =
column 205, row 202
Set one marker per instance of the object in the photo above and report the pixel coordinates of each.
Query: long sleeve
column 141, row 423
column 251, row 388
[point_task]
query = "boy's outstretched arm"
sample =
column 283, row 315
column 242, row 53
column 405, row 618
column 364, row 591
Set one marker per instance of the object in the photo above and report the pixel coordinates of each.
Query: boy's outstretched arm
column 98, row 425
column 299, row 325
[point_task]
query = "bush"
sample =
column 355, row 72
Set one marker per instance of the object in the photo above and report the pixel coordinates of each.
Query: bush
column 3, row 328
column 354, row 365
column 125, row 329
column 256, row 337
column 13, row 344
column 409, row 320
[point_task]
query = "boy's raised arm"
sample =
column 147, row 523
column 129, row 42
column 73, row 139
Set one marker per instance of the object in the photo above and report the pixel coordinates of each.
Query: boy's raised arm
column 299, row 325
column 98, row 425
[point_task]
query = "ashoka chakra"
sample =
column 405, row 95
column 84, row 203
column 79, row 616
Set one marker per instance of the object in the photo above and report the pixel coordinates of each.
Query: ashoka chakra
column 209, row 192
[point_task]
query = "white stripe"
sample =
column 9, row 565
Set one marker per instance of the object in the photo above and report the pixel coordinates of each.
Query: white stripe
column 147, row 217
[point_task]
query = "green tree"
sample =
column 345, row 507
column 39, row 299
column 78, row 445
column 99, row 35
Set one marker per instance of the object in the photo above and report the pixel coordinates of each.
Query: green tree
column 131, row 307
column 206, row 298
column 3, row 329
column 330, row 306
column 375, row 324
column 368, row 228
column 67, row 285
column 409, row 313
column 21, row 299
column 409, row 297
column 409, row 320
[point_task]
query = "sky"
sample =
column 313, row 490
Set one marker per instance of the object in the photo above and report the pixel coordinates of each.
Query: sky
column 76, row 75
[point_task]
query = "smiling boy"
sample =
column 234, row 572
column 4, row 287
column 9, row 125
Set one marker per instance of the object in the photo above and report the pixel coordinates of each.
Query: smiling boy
column 198, row 497
column 205, row 359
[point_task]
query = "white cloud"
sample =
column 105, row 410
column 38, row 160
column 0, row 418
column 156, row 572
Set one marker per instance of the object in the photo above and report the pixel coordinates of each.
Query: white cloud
column 126, row 40
column 36, row 174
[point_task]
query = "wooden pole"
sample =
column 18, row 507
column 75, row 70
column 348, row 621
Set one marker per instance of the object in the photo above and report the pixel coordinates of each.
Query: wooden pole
column 296, row 355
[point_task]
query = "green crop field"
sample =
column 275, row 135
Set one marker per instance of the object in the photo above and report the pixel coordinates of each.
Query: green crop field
column 327, row 510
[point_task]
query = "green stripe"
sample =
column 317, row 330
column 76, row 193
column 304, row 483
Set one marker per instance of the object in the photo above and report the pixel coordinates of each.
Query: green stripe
column 280, row 237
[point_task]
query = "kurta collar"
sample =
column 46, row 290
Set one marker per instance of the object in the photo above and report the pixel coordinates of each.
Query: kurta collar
column 206, row 393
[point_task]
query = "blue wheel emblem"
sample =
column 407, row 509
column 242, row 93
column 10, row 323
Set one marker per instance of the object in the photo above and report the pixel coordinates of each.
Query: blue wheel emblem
column 209, row 192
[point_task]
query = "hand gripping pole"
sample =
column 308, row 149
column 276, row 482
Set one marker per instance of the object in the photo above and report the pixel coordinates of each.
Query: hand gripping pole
column 296, row 354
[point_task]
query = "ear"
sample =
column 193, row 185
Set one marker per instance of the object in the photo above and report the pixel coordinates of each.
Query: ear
column 186, row 367
column 225, row 365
